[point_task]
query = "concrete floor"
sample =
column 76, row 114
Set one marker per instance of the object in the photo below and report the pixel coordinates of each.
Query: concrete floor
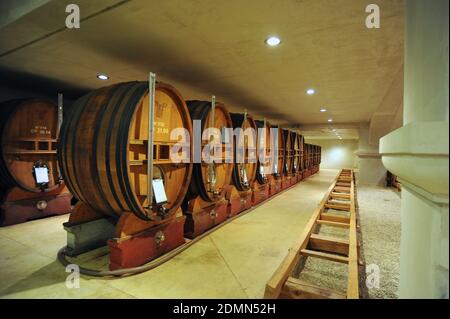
column 234, row 262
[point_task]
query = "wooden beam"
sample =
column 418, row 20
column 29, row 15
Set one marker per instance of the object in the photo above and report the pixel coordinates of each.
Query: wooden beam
column 334, row 224
column 342, row 189
column 343, row 184
column 276, row 282
column 326, row 256
column 338, row 206
column 299, row 289
column 340, row 195
column 353, row 282
column 328, row 244
column 335, row 218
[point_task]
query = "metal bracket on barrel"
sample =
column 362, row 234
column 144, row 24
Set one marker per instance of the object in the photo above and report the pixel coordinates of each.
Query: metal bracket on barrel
column 211, row 165
column 151, row 126
column 58, row 128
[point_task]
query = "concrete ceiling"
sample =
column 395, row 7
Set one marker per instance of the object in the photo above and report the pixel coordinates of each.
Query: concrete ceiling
column 217, row 47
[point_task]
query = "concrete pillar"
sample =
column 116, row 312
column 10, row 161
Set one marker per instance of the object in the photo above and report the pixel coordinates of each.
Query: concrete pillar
column 371, row 169
column 418, row 153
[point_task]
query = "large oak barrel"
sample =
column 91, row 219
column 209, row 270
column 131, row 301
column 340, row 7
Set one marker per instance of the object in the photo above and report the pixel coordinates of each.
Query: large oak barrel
column 210, row 181
column 320, row 155
column 263, row 169
column 296, row 141
column 288, row 152
column 103, row 149
column 29, row 133
column 277, row 137
column 302, row 152
column 306, row 155
column 245, row 164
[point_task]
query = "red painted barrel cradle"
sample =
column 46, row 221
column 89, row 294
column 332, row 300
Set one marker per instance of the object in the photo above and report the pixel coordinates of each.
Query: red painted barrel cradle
column 103, row 155
column 30, row 182
column 205, row 205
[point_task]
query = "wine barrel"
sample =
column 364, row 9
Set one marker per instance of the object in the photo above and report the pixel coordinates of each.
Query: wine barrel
column 296, row 139
column 263, row 169
column 306, row 155
column 103, row 149
column 211, row 181
column 29, row 132
column 320, row 155
column 288, row 153
column 278, row 166
column 302, row 151
column 244, row 173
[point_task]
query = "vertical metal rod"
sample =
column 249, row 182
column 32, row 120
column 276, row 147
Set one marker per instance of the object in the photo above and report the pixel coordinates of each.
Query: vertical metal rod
column 213, row 111
column 245, row 119
column 151, row 113
column 60, row 113
column 211, row 125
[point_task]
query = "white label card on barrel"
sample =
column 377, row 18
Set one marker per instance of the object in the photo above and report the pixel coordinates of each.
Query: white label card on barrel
column 159, row 191
column 41, row 174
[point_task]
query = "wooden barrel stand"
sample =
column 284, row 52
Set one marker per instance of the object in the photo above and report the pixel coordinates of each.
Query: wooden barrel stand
column 19, row 206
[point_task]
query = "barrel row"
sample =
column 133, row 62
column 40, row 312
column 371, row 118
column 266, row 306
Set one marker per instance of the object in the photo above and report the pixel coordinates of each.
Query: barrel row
column 103, row 146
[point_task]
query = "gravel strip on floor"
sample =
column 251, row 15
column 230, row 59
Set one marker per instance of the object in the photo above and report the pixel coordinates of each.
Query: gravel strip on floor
column 379, row 212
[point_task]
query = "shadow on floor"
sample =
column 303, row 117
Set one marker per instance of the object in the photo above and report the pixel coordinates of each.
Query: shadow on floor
column 51, row 274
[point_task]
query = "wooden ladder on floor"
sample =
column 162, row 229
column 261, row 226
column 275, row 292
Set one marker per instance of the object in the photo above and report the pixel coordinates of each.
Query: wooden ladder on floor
column 340, row 196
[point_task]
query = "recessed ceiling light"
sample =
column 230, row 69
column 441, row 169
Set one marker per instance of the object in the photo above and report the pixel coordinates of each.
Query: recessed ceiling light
column 102, row 77
column 310, row 91
column 273, row 41
column 330, row 120
column 334, row 130
column 323, row 110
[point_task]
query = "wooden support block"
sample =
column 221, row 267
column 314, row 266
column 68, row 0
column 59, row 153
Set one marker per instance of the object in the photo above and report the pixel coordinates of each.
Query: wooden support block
column 328, row 244
column 297, row 289
column 326, row 256
column 334, row 224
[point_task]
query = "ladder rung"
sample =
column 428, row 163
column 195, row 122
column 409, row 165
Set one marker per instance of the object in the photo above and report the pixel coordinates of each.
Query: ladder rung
column 340, row 195
column 327, row 256
column 334, row 224
column 337, row 207
column 328, row 244
column 335, row 218
column 298, row 289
